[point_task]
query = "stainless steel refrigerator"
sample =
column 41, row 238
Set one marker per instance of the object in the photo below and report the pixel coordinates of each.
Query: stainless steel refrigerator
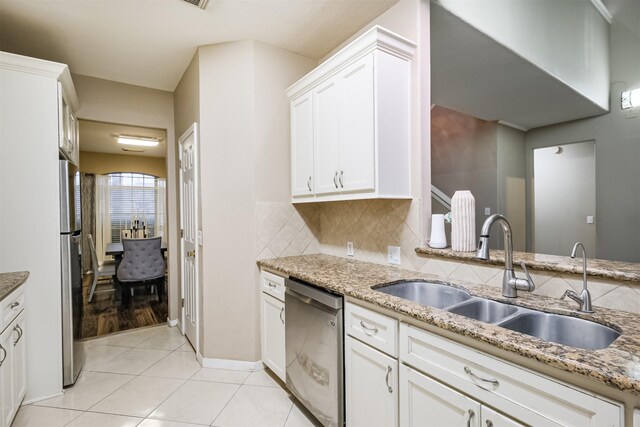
column 71, row 268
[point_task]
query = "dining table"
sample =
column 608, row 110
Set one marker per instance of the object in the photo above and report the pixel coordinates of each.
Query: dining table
column 116, row 249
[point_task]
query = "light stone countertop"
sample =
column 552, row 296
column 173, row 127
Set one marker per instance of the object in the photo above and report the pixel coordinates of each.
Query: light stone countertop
column 617, row 366
column 616, row 270
column 11, row 281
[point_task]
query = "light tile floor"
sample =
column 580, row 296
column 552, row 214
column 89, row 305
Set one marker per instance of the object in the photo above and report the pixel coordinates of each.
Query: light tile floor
column 150, row 378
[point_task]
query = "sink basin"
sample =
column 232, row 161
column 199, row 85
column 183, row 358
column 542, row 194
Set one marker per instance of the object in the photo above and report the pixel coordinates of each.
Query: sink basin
column 484, row 310
column 564, row 330
column 426, row 293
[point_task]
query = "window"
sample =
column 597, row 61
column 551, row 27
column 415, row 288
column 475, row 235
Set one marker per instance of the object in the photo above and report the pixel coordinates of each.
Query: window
column 136, row 195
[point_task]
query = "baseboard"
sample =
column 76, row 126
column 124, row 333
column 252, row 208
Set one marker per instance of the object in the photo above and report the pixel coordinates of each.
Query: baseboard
column 40, row 399
column 172, row 322
column 231, row 365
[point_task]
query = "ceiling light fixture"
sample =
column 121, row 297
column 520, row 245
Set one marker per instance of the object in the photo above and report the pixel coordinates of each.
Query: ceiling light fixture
column 630, row 99
column 138, row 140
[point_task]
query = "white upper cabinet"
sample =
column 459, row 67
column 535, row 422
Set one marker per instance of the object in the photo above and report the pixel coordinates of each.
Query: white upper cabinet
column 302, row 148
column 360, row 100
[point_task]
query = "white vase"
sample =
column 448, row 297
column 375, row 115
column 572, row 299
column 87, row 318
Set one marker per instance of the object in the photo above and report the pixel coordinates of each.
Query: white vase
column 463, row 223
column 438, row 238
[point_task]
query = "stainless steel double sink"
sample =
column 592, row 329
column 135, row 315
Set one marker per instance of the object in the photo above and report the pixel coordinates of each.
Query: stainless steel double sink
column 557, row 328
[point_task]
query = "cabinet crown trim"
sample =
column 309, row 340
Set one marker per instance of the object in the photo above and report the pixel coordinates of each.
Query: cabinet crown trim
column 376, row 38
column 41, row 67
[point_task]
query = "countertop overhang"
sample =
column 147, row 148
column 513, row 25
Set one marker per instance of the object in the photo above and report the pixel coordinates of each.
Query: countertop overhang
column 617, row 366
column 9, row 282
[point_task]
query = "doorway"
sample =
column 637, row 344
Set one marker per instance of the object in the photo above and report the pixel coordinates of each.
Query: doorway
column 564, row 201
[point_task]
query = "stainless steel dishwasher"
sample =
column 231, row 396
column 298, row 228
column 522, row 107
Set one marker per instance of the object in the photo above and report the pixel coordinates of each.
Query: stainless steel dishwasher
column 314, row 340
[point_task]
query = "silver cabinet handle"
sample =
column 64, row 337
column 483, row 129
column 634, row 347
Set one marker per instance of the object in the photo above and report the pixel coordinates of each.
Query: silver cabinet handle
column 470, row 415
column 18, row 329
column 309, row 184
column 4, row 356
column 492, row 381
column 335, row 177
column 281, row 313
column 271, row 285
column 366, row 329
column 386, row 379
column 340, row 179
column 489, row 423
column 14, row 304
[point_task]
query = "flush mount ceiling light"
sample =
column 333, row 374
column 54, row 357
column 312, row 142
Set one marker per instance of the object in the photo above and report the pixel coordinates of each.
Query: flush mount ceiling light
column 631, row 99
column 138, row 141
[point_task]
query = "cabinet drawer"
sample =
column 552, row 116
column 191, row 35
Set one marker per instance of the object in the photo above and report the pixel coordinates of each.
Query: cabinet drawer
column 507, row 387
column 10, row 307
column 374, row 329
column 273, row 285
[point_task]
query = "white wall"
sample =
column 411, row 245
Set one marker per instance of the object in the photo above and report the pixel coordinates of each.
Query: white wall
column 29, row 219
column 113, row 102
column 570, row 38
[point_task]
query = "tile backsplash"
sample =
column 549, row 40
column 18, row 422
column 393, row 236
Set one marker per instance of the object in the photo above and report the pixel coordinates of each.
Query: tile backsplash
column 284, row 229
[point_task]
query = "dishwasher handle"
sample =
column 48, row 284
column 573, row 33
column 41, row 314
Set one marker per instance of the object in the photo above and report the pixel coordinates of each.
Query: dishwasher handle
column 303, row 291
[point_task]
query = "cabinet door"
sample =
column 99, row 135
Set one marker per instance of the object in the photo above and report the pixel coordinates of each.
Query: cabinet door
column 371, row 386
column 6, row 375
column 491, row 418
column 62, row 118
column 273, row 331
column 19, row 360
column 302, row 145
column 425, row 401
column 357, row 136
column 326, row 120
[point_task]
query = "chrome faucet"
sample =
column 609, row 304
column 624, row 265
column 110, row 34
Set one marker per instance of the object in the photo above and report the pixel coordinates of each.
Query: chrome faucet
column 584, row 299
column 510, row 283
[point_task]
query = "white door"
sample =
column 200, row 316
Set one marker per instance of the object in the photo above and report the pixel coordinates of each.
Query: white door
column 6, row 375
column 189, row 253
column 371, row 386
column 326, row 100
column 357, row 140
column 564, row 198
column 302, row 145
column 491, row 418
column 427, row 402
column 273, row 354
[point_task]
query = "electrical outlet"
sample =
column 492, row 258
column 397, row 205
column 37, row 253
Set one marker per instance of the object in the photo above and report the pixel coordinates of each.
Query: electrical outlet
column 589, row 219
column 350, row 249
column 393, row 255
column 487, row 211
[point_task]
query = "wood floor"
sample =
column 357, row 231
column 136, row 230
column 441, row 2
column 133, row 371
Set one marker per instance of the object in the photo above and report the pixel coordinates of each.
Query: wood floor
column 106, row 315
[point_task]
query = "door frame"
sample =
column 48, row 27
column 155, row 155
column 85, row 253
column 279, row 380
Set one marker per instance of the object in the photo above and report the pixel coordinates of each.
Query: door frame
column 192, row 130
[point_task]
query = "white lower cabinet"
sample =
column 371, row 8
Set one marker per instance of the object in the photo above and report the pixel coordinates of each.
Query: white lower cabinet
column 491, row 418
column 12, row 369
column 273, row 332
column 371, row 386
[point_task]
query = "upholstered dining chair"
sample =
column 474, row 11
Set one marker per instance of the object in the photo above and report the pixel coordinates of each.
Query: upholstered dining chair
column 100, row 270
column 142, row 265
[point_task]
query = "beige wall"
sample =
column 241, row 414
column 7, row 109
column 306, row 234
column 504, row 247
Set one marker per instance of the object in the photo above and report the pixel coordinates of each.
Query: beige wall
column 113, row 102
column 104, row 163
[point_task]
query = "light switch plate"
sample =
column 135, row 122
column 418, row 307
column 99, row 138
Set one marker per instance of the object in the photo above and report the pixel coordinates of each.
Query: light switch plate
column 350, row 249
column 393, row 255
column 487, row 211
column 589, row 219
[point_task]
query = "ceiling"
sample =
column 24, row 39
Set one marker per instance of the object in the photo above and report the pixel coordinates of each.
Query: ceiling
column 150, row 42
column 100, row 137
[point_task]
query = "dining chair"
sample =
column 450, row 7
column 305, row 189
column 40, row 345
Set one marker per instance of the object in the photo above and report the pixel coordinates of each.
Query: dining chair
column 142, row 265
column 100, row 270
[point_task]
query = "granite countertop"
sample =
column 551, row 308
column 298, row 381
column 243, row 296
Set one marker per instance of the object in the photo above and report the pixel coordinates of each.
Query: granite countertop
column 616, row 270
column 617, row 366
column 11, row 281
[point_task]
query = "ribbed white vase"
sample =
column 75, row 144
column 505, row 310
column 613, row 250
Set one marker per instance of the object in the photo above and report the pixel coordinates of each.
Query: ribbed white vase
column 463, row 223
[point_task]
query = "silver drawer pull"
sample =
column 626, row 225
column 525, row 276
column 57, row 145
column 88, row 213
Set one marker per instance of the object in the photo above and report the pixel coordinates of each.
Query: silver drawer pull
column 271, row 285
column 386, row 379
column 366, row 329
column 340, row 179
column 470, row 414
column 492, row 381
column 14, row 304
column 18, row 329
column 489, row 423
column 4, row 354
column 281, row 313
column 309, row 183
column 335, row 177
